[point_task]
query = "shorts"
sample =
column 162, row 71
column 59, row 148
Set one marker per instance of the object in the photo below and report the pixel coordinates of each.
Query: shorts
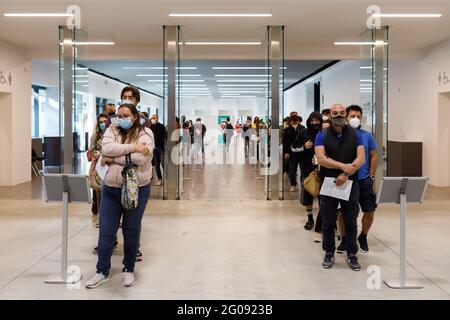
column 367, row 197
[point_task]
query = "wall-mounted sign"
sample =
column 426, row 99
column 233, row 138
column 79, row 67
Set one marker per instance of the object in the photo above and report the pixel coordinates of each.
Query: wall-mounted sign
column 443, row 78
column 4, row 79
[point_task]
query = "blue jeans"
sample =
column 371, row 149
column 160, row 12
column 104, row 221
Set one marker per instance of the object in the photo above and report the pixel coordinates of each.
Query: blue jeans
column 110, row 214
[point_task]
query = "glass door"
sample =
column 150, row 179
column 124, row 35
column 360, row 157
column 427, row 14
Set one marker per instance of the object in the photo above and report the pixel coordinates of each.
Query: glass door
column 223, row 116
column 374, row 83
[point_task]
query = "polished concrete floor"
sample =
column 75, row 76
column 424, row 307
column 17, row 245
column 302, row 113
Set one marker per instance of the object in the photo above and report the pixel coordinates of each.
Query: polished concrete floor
column 220, row 249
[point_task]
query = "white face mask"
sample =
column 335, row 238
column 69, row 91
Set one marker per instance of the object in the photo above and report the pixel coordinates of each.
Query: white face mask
column 355, row 123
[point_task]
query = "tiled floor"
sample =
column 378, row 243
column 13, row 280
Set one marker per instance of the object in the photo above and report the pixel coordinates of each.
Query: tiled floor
column 220, row 249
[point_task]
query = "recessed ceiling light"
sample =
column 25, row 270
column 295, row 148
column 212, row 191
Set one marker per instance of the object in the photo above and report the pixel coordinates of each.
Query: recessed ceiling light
column 224, row 43
column 406, row 15
column 248, row 15
column 38, row 15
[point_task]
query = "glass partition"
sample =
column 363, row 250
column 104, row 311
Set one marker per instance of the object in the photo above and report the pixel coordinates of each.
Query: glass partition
column 221, row 108
column 374, row 83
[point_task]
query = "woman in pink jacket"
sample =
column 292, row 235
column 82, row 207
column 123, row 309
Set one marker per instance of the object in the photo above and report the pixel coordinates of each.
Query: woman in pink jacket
column 127, row 137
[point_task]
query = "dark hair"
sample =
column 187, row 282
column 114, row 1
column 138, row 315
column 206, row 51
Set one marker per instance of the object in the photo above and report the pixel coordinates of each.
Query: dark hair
column 145, row 114
column 97, row 125
column 107, row 105
column 354, row 107
column 295, row 118
column 228, row 118
column 199, row 119
column 326, row 112
column 132, row 134
column 185, row 125
column 134, row 92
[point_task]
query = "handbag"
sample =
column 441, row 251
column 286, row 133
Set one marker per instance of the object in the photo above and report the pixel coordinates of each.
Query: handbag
column 312, row 183
column 130, row 187
column 95, row 182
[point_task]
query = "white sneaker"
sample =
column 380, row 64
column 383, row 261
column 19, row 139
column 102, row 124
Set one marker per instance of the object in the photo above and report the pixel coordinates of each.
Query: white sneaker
column 318, row 237
column 157, row 182
column 96, row 280
column 128, row 279
column 293, row 188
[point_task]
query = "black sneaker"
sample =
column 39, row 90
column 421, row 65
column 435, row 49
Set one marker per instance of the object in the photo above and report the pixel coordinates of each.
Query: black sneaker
column 328, row 261
column 309, row 225
column 363, row 245
column 139, row 256
column 352, row 262
column 342, row 247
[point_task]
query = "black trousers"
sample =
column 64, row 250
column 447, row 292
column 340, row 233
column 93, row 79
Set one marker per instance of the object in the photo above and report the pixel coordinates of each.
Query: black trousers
column 156, row 161
column 294, row 162
column 328, row 208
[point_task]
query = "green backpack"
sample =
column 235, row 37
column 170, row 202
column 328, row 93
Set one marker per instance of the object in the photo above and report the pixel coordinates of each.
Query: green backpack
column 130, row 187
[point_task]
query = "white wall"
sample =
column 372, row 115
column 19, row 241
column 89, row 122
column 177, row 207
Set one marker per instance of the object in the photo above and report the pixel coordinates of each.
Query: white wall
column 339, row 84
column 413, row 109
column 15, row 109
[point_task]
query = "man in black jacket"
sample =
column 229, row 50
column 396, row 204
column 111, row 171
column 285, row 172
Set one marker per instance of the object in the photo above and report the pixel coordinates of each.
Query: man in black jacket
column 303, row 146
column 159, row 133
column 289, row 135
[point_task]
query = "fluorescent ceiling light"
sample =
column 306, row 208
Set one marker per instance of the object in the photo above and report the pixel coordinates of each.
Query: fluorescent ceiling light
column 242, row 85
column 157, row 68
column 88, row 43
column 226, row 15
column 360, row 43
column 242, row 75
column 192, row 85
column 165, row 75
column 365, row 67
column 240, row 80
column 407, row 15
column 365, row 80
column 38, row 15
column 177, row 80
column 81, row 76
column 245, row 68
column 238, row 96
column 81, row 81
column 224, row 43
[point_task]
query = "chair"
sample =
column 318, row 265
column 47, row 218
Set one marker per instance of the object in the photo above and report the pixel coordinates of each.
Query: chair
column 34, row 162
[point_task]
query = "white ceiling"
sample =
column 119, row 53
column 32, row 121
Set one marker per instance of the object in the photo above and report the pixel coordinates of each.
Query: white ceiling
column 311, row 27
column 204, row 74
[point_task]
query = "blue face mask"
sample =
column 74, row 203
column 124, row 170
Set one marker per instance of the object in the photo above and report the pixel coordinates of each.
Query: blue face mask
column 102, row 126
column 125, row 123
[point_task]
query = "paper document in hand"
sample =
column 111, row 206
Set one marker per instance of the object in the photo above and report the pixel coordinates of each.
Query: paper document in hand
column 101, row 170
column 330, row 189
